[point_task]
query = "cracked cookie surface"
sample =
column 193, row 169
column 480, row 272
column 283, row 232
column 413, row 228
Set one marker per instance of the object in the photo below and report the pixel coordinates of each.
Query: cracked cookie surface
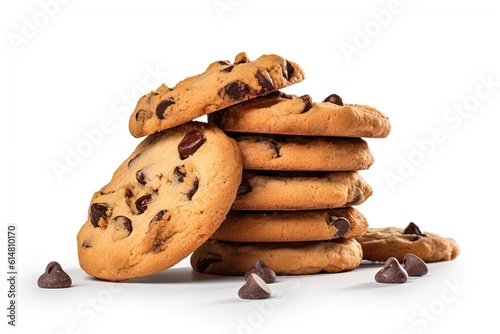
column 221, row 85
column 162, row 202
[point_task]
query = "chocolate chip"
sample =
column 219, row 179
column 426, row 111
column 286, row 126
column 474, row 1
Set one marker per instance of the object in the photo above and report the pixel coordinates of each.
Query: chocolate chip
column 289, row 70
column 205, row 263
column 159, row 216
column 414, row 265
column 191, row 142
column 227, row 69
column 335, row 99
column 244, row 187
column 272, row 145
column 141, row 177
column 354, row 201
column 254, row 288
column 128, row 193
column 125, row 222
column 216, row 117
column 264, row 82
column 193, row 190
column 392, row 272
column 143, row 115
column 235, row 90
column 343, row 225
column 86, row 244
column 98, row 211
column 308, row 103
column 180, row 173
column 162, row 106
column 142, row 203
column 223, row 62
column 262, row 270
column 54, row 277
column 412, row 228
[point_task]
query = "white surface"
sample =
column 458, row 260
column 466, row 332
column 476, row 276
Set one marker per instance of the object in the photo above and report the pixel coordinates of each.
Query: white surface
column 84, row 66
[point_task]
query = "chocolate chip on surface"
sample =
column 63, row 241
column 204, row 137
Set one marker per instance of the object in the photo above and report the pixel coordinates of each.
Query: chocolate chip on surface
column 335, row 99
column 193, row 190
column 264, row 82
column 162, row 106
column 289, row 70
column 205, row 263
column 272, row 145
column 142, row 203
column 392, row 272
column 191, row 142
column 98, row 211
column 235, row 90
column 343, row 225
column 143, row 115
column 414, row 265
column 254, row 288
column 412, row 228
column 262, row 270
column 54, row 277
column 308, row 103
column 244, row 187
column 141, row 177
column 159, row 215
column 180, row 173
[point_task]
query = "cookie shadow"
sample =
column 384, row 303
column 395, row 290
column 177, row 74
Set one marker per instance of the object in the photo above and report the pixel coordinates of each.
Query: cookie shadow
column 181, row 276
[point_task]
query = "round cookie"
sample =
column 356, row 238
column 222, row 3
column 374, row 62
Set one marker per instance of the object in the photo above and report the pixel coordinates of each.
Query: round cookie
column 221, row 85
column 297, row 258
column 162, row 203
column 270, row 191
column 379, row 244
column 280, row 113
column 304, row 153
column 291, row 226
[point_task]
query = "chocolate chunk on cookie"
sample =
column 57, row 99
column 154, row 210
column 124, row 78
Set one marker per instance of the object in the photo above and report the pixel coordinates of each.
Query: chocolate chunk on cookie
column 277, row 190
column 291, row 226
column 162, row 202
column 280, row 113
column 223, row 84
column 379, row 244
column 284, row 258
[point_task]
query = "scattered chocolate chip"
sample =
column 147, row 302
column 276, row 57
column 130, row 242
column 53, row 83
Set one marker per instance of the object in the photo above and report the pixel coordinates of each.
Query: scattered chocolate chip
column 54, row 277
column 414, row 265
column 159, row 216
column 141, row 177
column 392, row 272
column 254, row 288
column 272, row 145
column 205, row 263
column 162, row 106
column 235, row 90
column 216, row 117
column 227, row 69
column 343, row 225
column 180, row 173
column 289, row 70
column 86, row 244
column 98, row 211
column 262, row 270
column 223, row 62
column 335, row 99
column 412, row 228
column 125, row 222
column 193, row 190
column 244, row 187
column 308, row 103
column 143, row 115
column 190, row 144
column 264, row 82
column 354, row 201
column 142, row 203
column 128, row 193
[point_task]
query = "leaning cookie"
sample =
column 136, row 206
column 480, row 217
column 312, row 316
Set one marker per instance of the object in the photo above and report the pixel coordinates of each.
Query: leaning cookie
column 291, row 226
column 280, row 113
column 162, row 203
column 379, row 244
column 221, row 85
column 270, row 191
column 297, row 258
column 304, row 153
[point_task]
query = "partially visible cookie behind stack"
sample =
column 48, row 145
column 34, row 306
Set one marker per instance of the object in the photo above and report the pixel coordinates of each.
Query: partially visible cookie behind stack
column 296, row 206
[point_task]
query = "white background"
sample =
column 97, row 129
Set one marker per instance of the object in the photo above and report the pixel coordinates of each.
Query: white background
column 73, row 68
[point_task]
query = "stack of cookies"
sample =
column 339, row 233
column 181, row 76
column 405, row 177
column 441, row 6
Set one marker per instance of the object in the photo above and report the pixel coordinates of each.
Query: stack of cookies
column 296, row 208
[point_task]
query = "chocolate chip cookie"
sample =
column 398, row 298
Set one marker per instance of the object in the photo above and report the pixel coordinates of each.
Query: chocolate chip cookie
column 280, row 113
column 221, row 85
column 284, row 258
column 291, row 226
column 379, row 244
column 304, row 153
column 162, row 202
column 278, row 190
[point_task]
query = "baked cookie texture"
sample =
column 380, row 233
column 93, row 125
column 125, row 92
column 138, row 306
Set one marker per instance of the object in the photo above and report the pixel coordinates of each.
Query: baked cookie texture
column 269, row 191
column 291, row 226
column 280, row 113
column 162, row 202
column 221, row 85
column 379, row 244
column 298, row 258
column 304, row 153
